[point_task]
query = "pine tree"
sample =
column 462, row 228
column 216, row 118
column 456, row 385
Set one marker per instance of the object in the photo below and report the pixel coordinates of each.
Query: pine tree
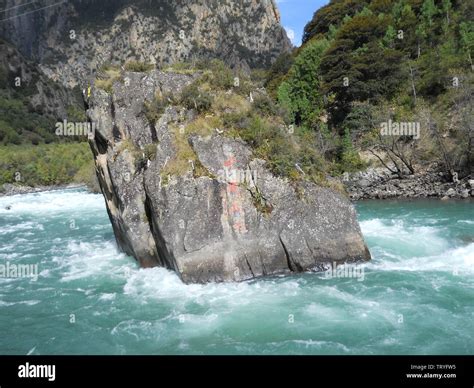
column 389, row 38
column 466, row 30
column 447, row 7
column 428, row 11
column 301, row 91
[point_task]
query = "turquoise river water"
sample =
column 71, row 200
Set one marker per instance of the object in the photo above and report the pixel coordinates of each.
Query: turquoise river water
column 415, row 297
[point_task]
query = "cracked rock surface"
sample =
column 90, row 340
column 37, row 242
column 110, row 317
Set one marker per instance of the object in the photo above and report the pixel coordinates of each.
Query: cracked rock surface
column 209, row 227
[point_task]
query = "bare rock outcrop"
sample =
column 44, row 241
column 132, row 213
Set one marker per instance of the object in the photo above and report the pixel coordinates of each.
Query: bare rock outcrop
column 225, row 217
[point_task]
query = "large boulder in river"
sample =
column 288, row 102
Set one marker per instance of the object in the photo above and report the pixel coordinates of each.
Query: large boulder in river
column 224, row 216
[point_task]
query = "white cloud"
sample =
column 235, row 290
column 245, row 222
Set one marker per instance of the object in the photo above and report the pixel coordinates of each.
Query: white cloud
column 291, row 34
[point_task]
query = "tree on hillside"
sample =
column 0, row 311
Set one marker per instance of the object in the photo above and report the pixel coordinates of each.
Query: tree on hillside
column 381, row 6
column 334, row 14
column 388, row 40
column 447, row 8
column 406, row 22
column 300, row 92
column 466, row 31
column 429, row 11
column 357, row 67
column 277, row 73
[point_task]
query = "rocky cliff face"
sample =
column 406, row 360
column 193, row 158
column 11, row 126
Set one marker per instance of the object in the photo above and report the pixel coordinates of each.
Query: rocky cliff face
column 22, row 78
column 71, row 40
column 225, row 217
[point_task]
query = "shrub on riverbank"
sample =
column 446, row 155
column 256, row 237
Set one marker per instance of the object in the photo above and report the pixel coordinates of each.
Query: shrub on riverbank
column 47, row 164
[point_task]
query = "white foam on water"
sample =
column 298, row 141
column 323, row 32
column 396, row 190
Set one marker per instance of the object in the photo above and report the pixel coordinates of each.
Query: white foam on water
column 196, row 325
column 321, row 344
column 8, row 256
column 19, row 240
column 81, row 260
column 401, row 230
column 400, row 236
column 466, row 254
column 162, row 284
column 50, row 202
column 212, row 309
column 139, row 329
column 307, row 297
column 335, row 306
column 455, row 260
column 23, row 226
column 108, row 296
column 25, row 302
column 7, row 247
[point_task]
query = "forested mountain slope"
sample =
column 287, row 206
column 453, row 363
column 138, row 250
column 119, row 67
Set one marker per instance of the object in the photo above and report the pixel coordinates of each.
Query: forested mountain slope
column 366, row 65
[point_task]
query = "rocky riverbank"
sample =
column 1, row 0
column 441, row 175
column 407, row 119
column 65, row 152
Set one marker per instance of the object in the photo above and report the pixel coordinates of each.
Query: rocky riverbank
column 378, row 183
column 373, row 183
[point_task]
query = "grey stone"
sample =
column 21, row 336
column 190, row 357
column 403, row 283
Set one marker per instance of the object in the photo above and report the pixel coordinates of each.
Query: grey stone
column 364, row 183
column 451, row 192
column 205, row 226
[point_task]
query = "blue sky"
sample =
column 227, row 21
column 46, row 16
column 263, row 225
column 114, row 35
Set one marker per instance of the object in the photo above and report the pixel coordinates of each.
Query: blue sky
column 295, row 14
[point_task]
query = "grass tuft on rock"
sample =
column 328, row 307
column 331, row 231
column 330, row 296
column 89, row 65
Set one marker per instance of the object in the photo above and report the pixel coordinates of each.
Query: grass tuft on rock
column 107, row 76
column 139, row 67
column 185, row 159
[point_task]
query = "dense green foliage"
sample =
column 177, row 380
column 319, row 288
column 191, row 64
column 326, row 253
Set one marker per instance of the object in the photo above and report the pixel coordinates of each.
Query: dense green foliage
column 277, row 73
column 19, row 121
column 367, row 61
column 18, row 124
column 46, row 164
column 24, row 92
column 300, row 92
